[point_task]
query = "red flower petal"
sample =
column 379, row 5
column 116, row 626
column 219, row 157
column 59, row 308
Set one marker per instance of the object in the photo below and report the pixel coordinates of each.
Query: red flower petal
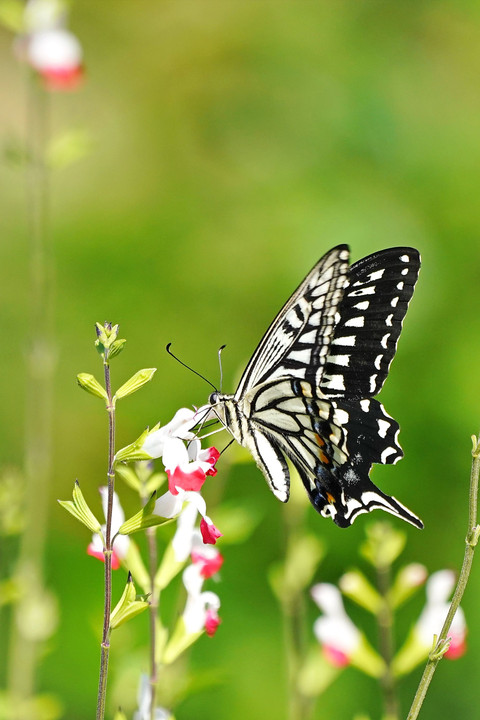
column 185, row 479
column 212, row 621
column 210, row 533
column 335, row 656
column 208, row 566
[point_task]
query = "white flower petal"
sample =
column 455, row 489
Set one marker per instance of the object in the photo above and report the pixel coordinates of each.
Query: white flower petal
column 54, row 50
column 328, row 598
column 168, row 505
column 183, row 539
column 439, row 586
column 175, row 453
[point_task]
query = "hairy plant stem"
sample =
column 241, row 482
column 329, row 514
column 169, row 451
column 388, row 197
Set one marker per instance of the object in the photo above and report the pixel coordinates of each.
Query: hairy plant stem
column 105, row 645
column 471, row 540
column 153, row 610
column 40, row 368
column 385, row 626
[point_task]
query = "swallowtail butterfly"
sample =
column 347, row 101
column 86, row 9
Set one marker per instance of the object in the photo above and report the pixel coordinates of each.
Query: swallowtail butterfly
column 307, row 392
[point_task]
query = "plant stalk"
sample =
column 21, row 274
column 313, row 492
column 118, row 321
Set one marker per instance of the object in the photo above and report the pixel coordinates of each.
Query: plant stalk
column 40, row 369
column 471, row 540
column 105, row 645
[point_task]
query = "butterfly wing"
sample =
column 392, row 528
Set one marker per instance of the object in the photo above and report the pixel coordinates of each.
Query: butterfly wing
column 332, row 443
column 307, row 391
column 369, row 322
column 299, row 336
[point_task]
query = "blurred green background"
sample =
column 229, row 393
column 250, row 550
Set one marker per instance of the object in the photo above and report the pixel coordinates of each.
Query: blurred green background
column 233, row 143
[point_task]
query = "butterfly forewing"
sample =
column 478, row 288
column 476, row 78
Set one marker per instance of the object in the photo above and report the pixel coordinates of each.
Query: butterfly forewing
column 370, row 316
column 299, row 336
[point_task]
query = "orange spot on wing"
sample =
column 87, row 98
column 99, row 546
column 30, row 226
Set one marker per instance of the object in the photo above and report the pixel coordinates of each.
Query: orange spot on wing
column 330, row 498
column 319, row 440
column 324, row 458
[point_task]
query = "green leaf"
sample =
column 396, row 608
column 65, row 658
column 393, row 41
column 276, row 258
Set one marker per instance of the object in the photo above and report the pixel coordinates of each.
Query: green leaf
column 135, row 564
column 89, row 383
column 128, row 474
column 11, row 15
column 68, row 148
column 355, row 585
column 383, row 545
column 169, row 568
column 80, row 510
column 116, row 347
column 134, row 451
column 129, row 605
column 180, row 641
column 135, row 382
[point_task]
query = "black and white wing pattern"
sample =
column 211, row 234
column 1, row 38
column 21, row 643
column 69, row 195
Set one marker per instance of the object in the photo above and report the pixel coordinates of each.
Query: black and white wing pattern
column 307, row 392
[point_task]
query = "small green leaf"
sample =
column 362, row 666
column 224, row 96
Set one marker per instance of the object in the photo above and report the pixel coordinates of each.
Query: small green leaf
column 68, row 148
column 89, row 383
column 116, row 347
column 355, row 586
column 134, row 451
column 134, row 562
column 383, row 545
column 135, row 382
column 128, row 474
column 80, row 510
column 11, row 15
column 169, row 568
column 120, row 715
column 129, row 605
column 180, row 641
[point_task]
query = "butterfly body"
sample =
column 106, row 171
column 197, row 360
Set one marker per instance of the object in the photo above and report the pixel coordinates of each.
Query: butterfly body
column 306, row 394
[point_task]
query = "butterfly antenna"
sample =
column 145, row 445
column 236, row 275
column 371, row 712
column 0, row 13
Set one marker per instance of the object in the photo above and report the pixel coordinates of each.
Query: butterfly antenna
column 220, row 365
column 188, row 367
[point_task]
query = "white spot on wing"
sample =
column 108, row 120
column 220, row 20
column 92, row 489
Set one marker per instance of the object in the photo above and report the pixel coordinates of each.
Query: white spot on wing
column 362, row 305
column 365, row 405
column 363, row 291
column 388, row 321
column 404, row 258
column 400, row 285
column 378, row 360
column 333, row 382
column 302, row 356
column 386, row 453
column 405, row 271
column 356, row 322
column 372, row 382
column 377, row 274
column 339, row 359
column 385, row 340
column 383, row 427
column 394, row 302
column 347, row 340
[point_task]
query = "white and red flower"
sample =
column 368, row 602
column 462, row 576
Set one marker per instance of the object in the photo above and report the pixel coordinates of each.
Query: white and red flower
column 439, row 587
column 121, row 542
column 48, row 47
column 338, row 635
column 201, row 608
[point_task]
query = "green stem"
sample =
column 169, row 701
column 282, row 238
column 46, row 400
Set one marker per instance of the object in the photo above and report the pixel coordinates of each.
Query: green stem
column 40, row 368
column 153, row 610
column 385, row 626
column 294, row 622
column 470, row 544
column 105, row 645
